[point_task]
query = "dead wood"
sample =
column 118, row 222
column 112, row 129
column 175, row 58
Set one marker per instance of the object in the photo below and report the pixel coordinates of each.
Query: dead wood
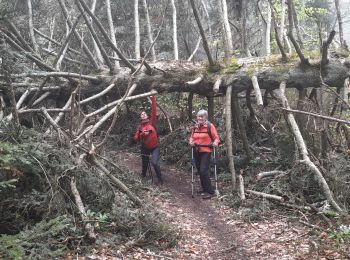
column 319, row 116
column 229, row 138
column 79, row 203
column 262, row 175
column 265, row 195
column 304, row 152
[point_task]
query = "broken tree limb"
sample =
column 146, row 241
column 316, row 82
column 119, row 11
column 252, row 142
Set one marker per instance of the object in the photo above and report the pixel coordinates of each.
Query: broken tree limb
column 195, row 50
column 195, row 81
column 262, row 175
column 228, row 120
column 166, row 117
column 61, row 114
column 128, row 92
column 35, row 110
column 98, row 95
column 265, row 195
column 41, row 98
column 241, row 186
column 303, row 150
column 120, row 185
column 319, row 116
column 79, row 203
column 153, row 92
column 54, row 74
column 257, row 90
column 113, row 110
column 217, row 84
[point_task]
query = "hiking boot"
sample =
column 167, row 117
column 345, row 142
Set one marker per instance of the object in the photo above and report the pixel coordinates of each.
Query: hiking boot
column 160, row 182
column 207, row 196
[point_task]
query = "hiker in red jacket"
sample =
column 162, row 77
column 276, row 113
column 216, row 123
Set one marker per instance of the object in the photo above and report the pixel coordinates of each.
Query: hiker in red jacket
column 204, row 136
column 147, row 134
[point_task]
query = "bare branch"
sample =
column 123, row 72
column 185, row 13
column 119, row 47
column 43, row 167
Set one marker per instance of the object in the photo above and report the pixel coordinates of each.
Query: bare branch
column 319, row 116
column 104, row 33
column 205, row 42
column 325, row 47
column 257, row 90
column 290, row 34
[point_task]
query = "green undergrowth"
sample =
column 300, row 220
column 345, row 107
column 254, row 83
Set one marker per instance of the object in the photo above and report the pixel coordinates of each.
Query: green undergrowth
column 39, row 218
column 46, row 240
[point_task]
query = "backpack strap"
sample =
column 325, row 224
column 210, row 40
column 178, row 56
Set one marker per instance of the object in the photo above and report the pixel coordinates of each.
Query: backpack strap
column 209, row 131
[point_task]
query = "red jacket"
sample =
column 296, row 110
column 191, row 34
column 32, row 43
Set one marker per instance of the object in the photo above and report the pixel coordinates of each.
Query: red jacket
column 149, row 141
column 200, row 136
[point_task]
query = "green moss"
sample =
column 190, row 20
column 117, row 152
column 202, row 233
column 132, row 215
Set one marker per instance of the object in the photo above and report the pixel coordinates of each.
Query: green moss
column 342, row 52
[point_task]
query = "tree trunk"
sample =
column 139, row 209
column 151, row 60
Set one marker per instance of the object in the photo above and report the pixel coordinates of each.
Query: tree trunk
column 31, row 27
column 241, row 127
column 228, row 35
column 98, row 55
column 340, row 22
column 283, row 19
column 149, row 31
column 297, row 27
column 268, row 31
column 95, row 36
column 58, row 61
column 204, row 39
column 52, row 29
column 85, row 48
column 228, row 120
column 176, row 49
column 137, row 30
column 211, row 112
column 291, row 36
column 208, row 19
column 190, row 105
column 245, row 45
column 111, row 30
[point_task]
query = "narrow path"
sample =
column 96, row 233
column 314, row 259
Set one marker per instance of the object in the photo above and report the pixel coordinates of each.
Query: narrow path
column 211, row 231
column 206, row 234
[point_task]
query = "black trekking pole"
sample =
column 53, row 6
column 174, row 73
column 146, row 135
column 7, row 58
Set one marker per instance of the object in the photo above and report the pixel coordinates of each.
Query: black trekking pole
column 192, row 181
column 215, row 174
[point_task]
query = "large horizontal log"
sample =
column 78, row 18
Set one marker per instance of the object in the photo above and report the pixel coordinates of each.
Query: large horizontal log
column 173, row 77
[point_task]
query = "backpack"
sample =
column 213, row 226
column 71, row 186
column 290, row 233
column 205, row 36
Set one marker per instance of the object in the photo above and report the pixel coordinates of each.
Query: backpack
column 209, row 131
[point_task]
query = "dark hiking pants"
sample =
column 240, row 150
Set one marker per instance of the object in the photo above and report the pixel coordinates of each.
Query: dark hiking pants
column 153, row 154
column 202, row 161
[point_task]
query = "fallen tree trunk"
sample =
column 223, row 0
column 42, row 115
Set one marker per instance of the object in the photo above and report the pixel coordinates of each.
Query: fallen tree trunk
column 304, row 152
column 174, row 77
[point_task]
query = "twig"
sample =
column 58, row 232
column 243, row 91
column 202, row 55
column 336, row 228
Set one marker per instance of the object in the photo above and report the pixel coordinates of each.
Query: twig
column 317, row 115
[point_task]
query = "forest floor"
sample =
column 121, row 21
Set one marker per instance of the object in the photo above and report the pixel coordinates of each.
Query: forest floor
column 212, row 230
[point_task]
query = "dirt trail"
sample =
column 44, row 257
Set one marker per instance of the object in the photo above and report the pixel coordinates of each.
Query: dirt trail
column 210, row 232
